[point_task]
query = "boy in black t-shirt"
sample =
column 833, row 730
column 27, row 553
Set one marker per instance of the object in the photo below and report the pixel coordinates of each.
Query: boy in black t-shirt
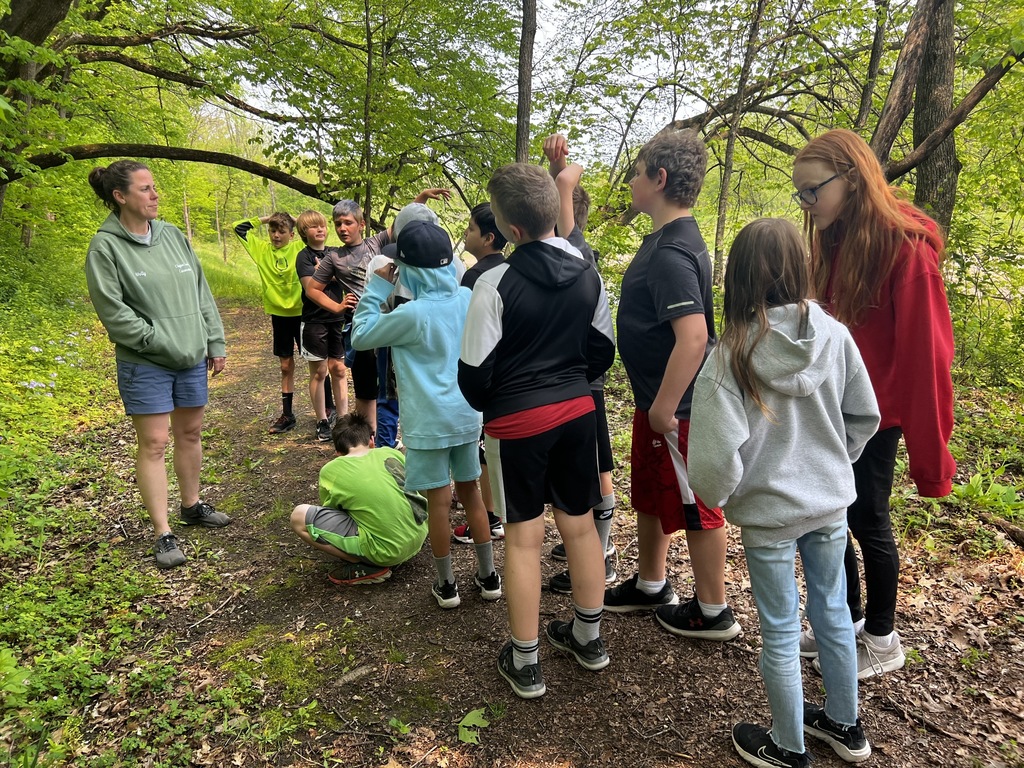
column 323, row 345
column 666, row 326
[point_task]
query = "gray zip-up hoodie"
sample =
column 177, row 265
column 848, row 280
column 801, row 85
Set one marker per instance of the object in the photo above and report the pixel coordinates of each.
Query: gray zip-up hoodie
column 153, row 299
column 782, row 477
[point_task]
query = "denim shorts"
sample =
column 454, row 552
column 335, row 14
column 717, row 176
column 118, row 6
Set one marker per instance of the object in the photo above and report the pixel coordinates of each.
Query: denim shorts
column 149, row 389
column 426, row 469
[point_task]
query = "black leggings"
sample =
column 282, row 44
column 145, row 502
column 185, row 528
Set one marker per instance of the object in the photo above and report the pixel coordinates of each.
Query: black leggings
column 870, row 523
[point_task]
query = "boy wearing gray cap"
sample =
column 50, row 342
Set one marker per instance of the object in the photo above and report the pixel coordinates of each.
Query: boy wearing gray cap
column 439, row 428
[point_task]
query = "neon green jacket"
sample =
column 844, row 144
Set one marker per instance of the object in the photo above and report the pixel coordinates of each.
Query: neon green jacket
column 279, row 282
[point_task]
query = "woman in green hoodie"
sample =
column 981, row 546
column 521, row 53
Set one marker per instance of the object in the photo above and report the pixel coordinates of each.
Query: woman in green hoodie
column 150, row 293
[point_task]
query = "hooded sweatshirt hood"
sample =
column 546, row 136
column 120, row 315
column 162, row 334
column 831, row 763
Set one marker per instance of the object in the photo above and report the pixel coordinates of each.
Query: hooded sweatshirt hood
column 551, row 262
column 796, row 356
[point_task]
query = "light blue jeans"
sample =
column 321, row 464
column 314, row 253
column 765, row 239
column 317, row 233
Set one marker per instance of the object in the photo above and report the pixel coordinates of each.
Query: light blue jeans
column 773, row 582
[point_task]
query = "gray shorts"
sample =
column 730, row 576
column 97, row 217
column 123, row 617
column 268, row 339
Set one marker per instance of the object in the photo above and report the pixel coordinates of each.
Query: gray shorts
column 334, row 527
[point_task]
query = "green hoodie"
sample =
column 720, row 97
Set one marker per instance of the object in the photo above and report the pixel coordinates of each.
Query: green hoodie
column 279, row 282
column 153, row 299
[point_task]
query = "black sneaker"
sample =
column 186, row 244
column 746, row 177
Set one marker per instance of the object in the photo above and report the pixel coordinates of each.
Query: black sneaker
column 490, row 588
column 848, row 741
column 688, row 620
column 283, row 424
column 205, row 515
column 591, row 656
column 558, row 552
column 626, row 598
column 447, row 594
column 528, row 682
column 754, row 744
column 561, row 582
column 323, row 431
column 168, row 554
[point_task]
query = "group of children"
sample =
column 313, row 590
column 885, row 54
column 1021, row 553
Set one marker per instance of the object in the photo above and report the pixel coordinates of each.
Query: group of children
column 768, row 422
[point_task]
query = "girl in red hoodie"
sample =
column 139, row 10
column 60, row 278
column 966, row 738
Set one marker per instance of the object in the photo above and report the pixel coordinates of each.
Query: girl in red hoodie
column 875, row 265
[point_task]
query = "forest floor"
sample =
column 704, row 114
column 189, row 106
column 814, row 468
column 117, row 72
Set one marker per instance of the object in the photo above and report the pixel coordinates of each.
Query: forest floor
column 311, row 674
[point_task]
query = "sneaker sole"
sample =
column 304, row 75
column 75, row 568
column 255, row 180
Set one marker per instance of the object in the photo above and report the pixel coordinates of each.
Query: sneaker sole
column 635, row 607
column 373, row 578
column 583, row 661
column 848, row 755
column 717, row 635
column 489, row 594
column 449, row 602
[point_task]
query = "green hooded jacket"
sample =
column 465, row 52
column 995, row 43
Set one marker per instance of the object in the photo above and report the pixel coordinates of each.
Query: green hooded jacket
column 153, row 299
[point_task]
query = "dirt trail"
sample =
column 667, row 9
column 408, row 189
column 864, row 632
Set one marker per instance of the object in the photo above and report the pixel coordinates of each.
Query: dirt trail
column 385, row 659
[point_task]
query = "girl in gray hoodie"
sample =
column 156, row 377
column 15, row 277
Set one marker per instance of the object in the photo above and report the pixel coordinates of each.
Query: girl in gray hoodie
column 780, row 411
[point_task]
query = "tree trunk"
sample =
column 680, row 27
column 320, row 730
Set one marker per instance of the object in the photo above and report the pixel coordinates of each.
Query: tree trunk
column 937, row 175
column 33, row 21
column 867, row 94
column 524, row 107
column 730, row 141
column 187, row 220
column 899, row 100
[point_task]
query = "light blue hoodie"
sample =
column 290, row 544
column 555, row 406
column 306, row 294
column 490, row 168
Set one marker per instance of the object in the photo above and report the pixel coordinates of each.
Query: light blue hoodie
column 425, row 336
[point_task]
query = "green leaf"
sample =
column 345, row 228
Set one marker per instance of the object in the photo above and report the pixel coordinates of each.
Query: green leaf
column 469, row 725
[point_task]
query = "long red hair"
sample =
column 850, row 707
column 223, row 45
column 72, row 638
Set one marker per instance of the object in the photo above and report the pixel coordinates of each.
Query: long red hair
column 862, row 247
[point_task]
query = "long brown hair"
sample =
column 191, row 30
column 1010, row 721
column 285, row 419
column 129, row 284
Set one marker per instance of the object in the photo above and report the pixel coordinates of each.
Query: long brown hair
column 859, row 251
column 767, row 267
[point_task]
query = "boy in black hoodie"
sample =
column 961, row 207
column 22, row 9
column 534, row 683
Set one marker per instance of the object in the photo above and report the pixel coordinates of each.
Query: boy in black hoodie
column 537, row 331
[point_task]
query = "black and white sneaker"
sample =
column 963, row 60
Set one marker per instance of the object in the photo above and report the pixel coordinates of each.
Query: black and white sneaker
column 627, row 597
column 754, row 744
column 848, row 741
column 528, row 682
column 447, row 594
column 490, row 587
column 323, row 431
column 688, row 620
column 562, row 582
column 205, row 515
column 591, row 656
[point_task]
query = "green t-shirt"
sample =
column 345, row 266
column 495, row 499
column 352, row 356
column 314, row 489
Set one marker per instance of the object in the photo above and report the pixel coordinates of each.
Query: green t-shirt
column 371, row 489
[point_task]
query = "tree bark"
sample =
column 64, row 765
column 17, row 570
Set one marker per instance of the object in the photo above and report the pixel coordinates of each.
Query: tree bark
column 937, row 176
column 867, row 94
column 93, row 151
column 899, row 101
column 730, row 141
column 525, row 104
column 33, row 21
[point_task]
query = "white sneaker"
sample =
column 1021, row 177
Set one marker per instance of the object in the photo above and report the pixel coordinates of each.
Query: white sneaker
column 808, row 645
column 874, row 659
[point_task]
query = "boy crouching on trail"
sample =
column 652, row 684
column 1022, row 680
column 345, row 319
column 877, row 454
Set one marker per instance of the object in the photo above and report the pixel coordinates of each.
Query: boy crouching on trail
column 367, row 518
column 538, row 331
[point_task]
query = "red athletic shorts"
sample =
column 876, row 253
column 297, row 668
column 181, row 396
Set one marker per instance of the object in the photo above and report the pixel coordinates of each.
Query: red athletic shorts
column 659, row 485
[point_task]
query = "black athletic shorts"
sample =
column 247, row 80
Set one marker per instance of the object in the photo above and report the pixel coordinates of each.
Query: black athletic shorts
column 287, row 334
column 321, row 341
column 364, row 375
column 557, row 467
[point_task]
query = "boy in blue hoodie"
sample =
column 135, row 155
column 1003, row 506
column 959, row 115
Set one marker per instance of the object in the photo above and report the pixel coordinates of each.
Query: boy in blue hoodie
column 439, row 428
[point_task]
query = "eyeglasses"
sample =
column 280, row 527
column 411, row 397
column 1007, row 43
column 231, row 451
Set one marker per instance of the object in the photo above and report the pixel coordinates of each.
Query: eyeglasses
column 809, row 196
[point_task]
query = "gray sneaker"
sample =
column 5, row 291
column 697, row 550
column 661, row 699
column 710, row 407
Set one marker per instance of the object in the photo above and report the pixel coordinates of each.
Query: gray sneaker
column 205, row 515
column 168, row 555
column 528, row 682
column 591, row 656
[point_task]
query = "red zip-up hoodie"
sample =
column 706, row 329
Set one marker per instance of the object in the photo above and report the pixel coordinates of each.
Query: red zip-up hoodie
column 907, row 345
